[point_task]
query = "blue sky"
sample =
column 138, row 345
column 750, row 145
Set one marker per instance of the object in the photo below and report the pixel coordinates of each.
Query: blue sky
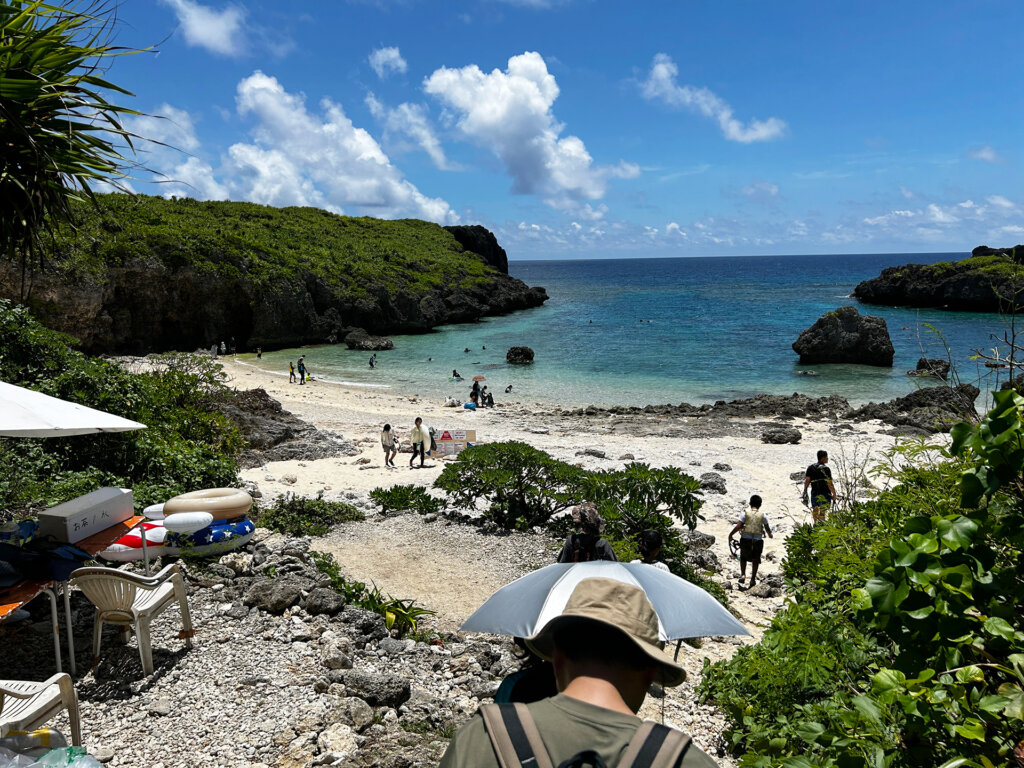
column 581, row 128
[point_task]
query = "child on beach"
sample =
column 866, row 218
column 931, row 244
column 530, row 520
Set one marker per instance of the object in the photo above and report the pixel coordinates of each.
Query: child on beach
column 291, row 373
column 389, row 441
column 754, row 525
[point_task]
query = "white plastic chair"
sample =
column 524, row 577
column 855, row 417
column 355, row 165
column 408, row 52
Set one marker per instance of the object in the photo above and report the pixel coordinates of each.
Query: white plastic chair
column 25, row 706
column 130, row 600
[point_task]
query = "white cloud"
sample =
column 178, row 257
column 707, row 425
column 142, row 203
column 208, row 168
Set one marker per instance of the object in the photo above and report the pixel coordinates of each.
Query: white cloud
column 387, row 60
column 985, row 154
column 217, row 31
column 906, row 193
column 661, row 85
column 298, row 158
column 1012, row 229
column 938, row 215
column 1000, row 202
column 171, row 138
column 509, row 113
column 411, row 120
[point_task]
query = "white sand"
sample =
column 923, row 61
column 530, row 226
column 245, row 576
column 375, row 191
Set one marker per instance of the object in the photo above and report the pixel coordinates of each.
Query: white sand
column 359, row 414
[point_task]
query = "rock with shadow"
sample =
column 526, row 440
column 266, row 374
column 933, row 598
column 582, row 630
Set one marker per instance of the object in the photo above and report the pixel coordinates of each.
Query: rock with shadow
column 846, row 336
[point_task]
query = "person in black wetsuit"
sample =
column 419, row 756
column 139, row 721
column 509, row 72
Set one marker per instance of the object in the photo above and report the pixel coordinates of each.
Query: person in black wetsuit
column 818, row 478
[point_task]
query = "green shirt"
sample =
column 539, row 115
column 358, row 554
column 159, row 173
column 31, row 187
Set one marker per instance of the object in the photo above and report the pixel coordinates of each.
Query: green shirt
column 567, row 726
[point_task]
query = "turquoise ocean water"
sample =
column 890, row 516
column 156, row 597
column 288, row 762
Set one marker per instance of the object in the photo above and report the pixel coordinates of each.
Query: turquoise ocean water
column 652, row 331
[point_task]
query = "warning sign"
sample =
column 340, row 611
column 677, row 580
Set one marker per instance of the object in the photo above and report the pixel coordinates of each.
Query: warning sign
column 453, row 441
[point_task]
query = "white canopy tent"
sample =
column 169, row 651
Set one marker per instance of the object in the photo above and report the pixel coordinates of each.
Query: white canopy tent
column 27, row 413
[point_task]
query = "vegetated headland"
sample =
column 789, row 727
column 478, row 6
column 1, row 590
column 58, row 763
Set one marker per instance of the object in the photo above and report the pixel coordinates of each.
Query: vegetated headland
column 147, row 274
column 991, row 280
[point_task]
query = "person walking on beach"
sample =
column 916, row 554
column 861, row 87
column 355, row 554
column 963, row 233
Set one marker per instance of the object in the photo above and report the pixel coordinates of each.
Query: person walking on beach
column 819, row 478
column 302, row 370
column 605, row 652
column 389, row 442
column 586, row 544
column 754, row 525
column 420, row 438
column 259, row 353
column 291, row 373
column 474, row 393
column 373, row 360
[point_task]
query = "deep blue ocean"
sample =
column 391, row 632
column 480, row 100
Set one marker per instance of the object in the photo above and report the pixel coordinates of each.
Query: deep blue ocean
column 652, row 331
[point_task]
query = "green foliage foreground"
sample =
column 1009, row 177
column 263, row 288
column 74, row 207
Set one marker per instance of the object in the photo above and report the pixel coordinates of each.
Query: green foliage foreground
column 188, row 444
column 524, row 487
column 904, row 642
column 301, row 516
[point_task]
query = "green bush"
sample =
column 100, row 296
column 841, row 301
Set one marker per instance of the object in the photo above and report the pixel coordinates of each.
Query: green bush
column 301, row 516
column 401, row 497
column 402, row 616
column 904, row 646
column 523, row 485
column 187, row 445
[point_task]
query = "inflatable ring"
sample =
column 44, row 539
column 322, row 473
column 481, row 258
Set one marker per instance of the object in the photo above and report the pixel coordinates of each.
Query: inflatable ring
column 222, row 503
column 220, row 537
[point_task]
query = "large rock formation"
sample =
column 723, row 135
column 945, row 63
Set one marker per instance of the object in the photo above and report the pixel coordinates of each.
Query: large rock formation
column 146, row 274
column 481, row 241
column 846, row 336
column 990, row 281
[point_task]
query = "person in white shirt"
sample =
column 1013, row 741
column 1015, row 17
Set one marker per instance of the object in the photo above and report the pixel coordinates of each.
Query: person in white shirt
column 754, row 525
column 420, row 438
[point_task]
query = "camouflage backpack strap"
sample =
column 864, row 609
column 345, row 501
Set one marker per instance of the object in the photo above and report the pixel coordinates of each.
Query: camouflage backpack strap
column 655, row 746
column 514, row 735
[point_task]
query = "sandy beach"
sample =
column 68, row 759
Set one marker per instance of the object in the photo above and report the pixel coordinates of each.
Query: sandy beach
column 358, row 414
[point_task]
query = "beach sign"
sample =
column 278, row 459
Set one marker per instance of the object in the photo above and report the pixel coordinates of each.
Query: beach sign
column 454, row 441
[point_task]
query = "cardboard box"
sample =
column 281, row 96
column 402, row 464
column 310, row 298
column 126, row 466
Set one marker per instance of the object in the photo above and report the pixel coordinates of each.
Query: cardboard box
column 80, row 518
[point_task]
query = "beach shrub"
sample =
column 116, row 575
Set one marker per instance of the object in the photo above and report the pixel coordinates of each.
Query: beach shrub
column 187, row 444
column 402, row 497
column 402, row 616
column 303, row 516
column 522, row 485
column 918, row 626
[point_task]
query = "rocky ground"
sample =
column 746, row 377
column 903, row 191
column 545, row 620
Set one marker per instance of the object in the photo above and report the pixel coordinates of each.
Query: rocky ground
column 282, row 673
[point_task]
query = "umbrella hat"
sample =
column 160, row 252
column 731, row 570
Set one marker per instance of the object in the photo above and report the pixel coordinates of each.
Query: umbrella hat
column 479, row 378
column 525, row 606
column 27, row 413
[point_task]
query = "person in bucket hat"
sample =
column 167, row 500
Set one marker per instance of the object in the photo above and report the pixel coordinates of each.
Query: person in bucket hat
column 605, row 652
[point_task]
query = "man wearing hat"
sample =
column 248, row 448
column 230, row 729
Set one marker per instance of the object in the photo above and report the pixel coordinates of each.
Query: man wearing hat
column 605, row 651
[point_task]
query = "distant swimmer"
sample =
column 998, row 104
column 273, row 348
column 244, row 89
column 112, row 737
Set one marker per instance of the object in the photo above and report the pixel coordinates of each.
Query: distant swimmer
column 484, row 347
column 429, row 359
column 466, row 349
column 455, row 374
column 508, row 389
column 373, row 360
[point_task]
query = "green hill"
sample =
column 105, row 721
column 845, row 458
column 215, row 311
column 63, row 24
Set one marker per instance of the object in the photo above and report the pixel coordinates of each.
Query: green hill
column 145, row 273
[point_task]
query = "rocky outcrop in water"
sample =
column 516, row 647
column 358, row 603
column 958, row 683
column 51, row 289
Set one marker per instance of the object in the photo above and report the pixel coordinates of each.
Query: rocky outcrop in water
column 989, row 281
column 360, row 339
column 519, row 355
column 928, row 410
column 846, row 336
column 927, row 366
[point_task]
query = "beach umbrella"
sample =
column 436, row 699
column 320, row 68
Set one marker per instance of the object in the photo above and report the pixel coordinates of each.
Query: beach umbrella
column 522, row 608
column 479, row 378
column 27, row 413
